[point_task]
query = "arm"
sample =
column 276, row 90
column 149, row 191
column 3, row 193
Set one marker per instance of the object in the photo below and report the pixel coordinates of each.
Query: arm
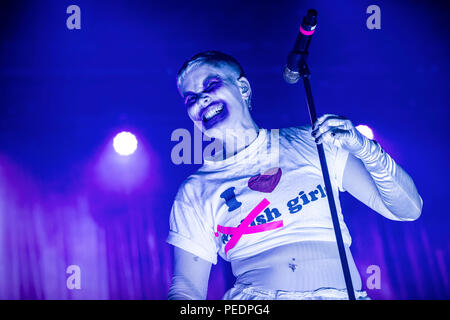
column 359, row 183
column 190, row 276
column 370, row 174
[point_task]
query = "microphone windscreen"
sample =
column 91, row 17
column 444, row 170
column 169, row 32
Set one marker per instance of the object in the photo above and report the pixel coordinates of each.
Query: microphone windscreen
column 289, row 76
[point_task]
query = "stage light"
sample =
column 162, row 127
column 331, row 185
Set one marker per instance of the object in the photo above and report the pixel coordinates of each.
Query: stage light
column 365, row 131
column 125, row 143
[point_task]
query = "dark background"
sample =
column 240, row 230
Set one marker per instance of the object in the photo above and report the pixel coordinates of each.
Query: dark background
column 65, row 93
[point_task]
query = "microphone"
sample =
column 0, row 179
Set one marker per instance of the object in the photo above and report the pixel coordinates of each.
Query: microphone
column 297, row 56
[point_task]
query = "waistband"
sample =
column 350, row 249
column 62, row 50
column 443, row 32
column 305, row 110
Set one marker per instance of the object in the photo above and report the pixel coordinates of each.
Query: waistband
column 256, row 293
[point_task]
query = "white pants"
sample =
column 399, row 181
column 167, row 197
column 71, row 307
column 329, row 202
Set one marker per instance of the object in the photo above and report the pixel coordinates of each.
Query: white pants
column 240, row 292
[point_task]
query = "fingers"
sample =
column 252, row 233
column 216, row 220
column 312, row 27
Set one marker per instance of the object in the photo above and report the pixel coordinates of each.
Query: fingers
column 328, row 124
column 324, row 118
column 333, row 135
column 328, row 121
column 334, row 129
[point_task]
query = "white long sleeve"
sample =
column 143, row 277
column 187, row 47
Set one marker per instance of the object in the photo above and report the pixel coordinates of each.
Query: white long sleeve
column 395, row 186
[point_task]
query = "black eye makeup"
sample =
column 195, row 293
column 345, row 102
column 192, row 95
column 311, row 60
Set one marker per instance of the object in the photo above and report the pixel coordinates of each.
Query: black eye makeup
column 209, row 85
column 212, row 84
column 190, row 100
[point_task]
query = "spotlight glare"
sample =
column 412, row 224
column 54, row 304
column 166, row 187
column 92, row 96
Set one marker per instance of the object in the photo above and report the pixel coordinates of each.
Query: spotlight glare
column 125, row 143
column 365, row 131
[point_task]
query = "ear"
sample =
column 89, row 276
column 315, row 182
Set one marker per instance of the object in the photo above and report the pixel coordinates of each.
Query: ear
column 244, row 87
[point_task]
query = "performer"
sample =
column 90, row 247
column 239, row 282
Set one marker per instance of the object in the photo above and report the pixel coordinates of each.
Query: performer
column 261, row 202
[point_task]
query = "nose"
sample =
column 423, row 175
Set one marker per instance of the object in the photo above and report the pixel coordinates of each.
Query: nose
column 205, row 100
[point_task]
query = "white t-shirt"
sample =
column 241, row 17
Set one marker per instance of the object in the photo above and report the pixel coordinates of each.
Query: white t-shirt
column 274, row 187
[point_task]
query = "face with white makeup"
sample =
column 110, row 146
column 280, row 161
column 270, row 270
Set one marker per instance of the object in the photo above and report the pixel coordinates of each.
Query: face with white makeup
column 217, row 99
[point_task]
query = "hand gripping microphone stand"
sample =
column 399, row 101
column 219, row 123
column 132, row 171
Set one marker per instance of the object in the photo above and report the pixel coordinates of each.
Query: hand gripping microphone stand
column 295, row 69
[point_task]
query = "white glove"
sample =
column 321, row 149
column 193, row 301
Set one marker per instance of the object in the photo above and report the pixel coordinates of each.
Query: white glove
column 395, row 186
column 338, row 131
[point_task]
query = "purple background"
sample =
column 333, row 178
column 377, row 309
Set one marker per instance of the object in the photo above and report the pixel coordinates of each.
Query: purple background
column 66, row 198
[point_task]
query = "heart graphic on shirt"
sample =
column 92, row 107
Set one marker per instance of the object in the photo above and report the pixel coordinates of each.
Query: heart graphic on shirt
column 265, row 182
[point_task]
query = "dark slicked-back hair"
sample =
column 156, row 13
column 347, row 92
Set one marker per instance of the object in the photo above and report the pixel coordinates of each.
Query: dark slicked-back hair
column 215, row 58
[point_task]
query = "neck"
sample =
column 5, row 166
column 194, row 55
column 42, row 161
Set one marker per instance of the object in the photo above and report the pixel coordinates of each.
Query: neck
column 237, row 140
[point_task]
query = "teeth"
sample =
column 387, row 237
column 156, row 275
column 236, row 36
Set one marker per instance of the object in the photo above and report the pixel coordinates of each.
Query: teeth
column 212, row 112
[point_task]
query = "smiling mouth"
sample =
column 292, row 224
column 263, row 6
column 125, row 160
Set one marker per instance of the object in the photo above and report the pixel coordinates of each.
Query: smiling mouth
column 212, row 112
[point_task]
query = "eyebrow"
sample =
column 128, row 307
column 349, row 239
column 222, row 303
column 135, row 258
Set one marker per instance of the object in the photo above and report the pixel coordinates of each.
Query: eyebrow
column 205, row 82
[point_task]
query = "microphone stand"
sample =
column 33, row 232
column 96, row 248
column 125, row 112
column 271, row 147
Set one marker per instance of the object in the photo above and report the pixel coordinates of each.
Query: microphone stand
column 305, row 75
